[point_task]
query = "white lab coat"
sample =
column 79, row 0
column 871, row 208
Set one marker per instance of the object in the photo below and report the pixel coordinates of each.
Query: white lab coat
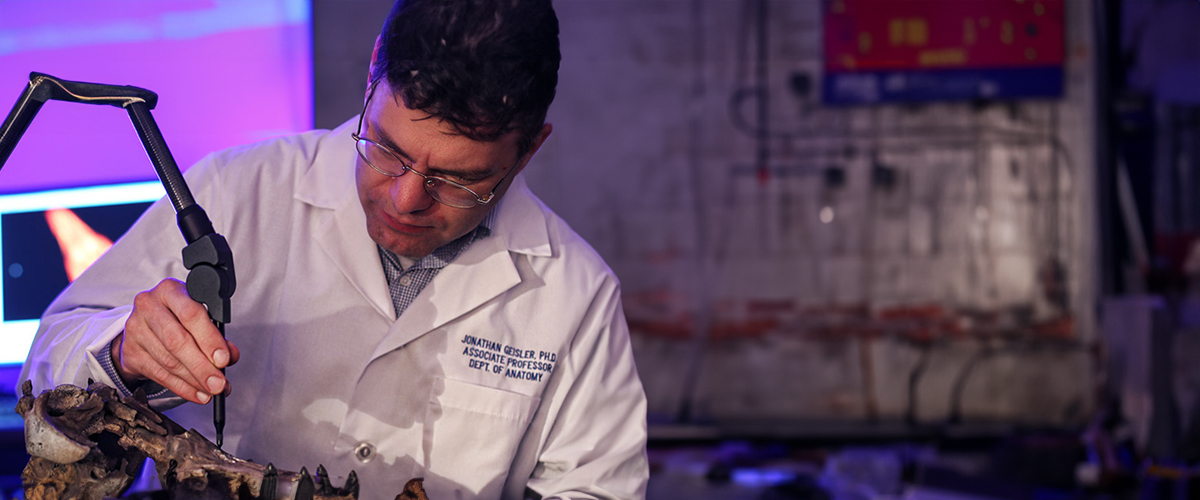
column 329, row 375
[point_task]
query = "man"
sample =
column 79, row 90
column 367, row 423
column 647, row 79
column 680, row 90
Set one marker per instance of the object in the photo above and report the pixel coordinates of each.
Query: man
column 405, row 306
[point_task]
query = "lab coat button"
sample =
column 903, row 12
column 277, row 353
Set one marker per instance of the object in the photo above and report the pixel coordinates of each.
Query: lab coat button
column 364, row 452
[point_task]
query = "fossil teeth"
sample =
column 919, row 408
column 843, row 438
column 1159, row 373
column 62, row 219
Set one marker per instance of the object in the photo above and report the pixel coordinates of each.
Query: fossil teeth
column 304, row 489
column 325, row 487
column 270, row 478
column 351, row 486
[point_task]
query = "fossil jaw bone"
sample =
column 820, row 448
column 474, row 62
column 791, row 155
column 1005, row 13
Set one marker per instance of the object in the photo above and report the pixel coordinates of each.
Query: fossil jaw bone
column 88, row 444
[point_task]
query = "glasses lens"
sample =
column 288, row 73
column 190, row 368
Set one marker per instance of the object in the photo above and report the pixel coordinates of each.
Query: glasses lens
column 381, row 159
column 443, row 191
column 450, row 194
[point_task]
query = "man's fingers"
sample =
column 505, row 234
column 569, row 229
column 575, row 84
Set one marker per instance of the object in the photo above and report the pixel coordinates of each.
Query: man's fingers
column 180, row 387
column 181, row 344
column 170, row 340
column 143, row 356
column 194, row 317
column 235, row 353
column 155, row 362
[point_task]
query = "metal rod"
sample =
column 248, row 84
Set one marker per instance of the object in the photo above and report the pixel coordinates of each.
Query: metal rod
column 160, row 156
column 219, row 401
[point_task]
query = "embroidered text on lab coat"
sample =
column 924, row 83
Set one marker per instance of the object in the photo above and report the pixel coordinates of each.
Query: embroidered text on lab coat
column 508, row 361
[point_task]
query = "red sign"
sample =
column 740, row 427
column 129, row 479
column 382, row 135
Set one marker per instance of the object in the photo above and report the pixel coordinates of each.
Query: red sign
column 883, row 35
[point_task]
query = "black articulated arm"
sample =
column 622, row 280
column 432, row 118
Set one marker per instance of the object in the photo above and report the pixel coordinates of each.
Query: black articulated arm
column 43, row 88
column 207, row 256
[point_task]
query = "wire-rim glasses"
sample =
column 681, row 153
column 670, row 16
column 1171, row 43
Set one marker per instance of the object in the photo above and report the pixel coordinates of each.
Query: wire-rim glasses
column 442, row 190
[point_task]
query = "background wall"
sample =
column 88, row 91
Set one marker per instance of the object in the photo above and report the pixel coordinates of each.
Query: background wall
column 870, row 265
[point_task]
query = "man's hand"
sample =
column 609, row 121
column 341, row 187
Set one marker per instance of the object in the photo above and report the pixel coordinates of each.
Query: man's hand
column 169, row 339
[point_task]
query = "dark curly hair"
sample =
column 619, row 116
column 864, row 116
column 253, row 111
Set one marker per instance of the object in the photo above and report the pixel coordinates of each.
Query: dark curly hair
column 486, row 67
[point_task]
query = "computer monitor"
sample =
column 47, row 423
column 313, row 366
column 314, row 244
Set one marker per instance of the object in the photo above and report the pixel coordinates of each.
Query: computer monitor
column 46, row 239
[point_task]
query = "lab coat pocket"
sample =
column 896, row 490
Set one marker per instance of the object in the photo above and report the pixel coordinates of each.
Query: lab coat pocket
column 472, row 433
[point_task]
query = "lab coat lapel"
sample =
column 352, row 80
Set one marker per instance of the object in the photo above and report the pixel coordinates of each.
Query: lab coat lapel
column 340, row 228
column 483, row 272
column 343, row 237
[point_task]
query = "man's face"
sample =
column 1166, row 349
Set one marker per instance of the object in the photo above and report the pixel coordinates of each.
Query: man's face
column 401, row 216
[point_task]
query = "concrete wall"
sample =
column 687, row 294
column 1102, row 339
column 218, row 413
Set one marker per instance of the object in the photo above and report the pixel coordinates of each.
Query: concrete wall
column 788, row 297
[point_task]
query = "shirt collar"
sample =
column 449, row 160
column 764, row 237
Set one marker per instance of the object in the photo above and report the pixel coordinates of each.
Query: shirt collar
column 446, row 254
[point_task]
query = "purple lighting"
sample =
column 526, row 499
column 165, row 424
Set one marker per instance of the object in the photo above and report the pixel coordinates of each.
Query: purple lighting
column 226, row 73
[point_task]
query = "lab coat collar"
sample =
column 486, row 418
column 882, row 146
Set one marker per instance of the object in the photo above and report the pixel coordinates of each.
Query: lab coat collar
column 521, row 222
column 340, row 231
column 329, row 180
column 482, row 272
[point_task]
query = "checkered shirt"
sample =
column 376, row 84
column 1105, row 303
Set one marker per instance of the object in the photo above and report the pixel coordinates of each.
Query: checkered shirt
column 405, row 284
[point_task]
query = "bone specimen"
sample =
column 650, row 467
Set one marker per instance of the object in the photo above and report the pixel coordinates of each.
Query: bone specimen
column 90, row 444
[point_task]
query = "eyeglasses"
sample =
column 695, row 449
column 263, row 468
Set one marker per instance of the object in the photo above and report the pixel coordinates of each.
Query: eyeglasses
column 387, row 162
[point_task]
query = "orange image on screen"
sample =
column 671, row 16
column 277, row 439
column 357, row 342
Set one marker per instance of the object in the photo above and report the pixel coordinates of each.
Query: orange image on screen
column 80, row 244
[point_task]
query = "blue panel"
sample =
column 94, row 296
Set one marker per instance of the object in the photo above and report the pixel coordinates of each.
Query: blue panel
column 944, row 85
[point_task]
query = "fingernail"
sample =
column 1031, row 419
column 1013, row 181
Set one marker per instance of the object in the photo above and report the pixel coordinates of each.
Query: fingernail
column 215, row 384
column 203, row 397
column 220, row 358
